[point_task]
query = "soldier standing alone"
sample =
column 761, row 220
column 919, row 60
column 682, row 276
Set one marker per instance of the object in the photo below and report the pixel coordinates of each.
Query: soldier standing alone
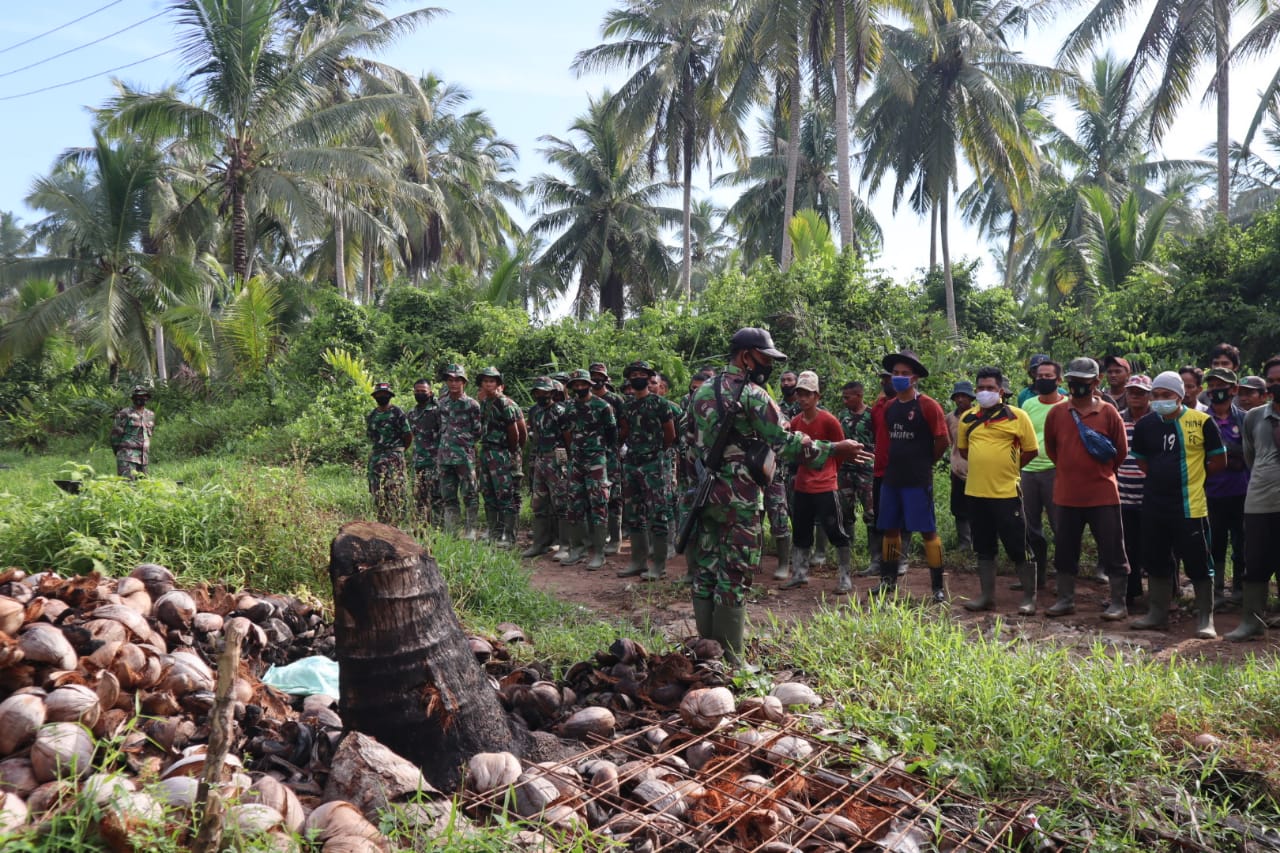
column 131, row 431
column 459, row 432
column 424, row 422
column 649, row 429
column 499, row 458
column 388, row 430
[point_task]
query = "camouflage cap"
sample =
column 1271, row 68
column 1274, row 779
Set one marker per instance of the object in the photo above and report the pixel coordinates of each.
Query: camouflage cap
column 454, row 370
column 382, row 388
column 579, row 376
column 639, row 366
column 543, row 383
column 557, row 386
column 599, row 367
column 560, row 377
column 140, row 391
column 489, row 372
column 704, row 374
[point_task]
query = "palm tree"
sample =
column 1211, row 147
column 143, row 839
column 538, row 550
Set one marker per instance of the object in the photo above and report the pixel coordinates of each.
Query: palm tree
column 99, row 210
column 604, row 213
column 1120, row 239
column 671, row 98
column 947, row 85
column 1256, row 181
column 274, row 141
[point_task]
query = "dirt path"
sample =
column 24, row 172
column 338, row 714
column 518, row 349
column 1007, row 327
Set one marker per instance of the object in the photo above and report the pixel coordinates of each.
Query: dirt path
column 667, row 608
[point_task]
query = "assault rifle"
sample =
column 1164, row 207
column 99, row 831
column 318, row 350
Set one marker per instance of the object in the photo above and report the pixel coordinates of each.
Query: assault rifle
column 710, row 467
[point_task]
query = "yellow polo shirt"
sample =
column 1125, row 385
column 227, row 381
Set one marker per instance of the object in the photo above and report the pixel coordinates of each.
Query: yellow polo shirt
column 995, row 447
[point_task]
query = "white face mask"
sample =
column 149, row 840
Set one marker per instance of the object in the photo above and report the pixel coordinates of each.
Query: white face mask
column 987, row 399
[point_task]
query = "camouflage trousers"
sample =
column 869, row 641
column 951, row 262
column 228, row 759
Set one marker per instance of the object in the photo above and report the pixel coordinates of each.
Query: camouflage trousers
column 673, row 487
column 386, row 485
column 458, row 484
column 776, row 509
column 589, row 491
column 548, row 487
column 857, row 490
column 426, row 491
column 728, row 553
column 646, row 495
column 498, row 467
column 615, row 483
column 130, row 463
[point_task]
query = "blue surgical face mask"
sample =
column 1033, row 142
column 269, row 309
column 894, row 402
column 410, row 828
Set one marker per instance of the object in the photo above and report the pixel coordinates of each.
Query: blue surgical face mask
column 901, row 383
column 1164, row 408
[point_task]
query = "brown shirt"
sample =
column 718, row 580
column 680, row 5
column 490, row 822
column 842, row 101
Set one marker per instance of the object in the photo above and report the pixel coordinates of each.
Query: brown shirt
column 1082, row 480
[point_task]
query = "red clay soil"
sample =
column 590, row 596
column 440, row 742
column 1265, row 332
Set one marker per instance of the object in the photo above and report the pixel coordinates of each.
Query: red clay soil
column 666, row 607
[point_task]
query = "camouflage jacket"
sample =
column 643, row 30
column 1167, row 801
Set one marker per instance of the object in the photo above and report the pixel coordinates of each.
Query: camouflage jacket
column 592, row 428
column 616, row 401
column 758, row 418
column 790, row 410
column 644, row 417
column 496, row 414
column 386, row 430
column 459, row 430
column 424, row 421
column 858, row 427
column 131, row 429
column 544, row 428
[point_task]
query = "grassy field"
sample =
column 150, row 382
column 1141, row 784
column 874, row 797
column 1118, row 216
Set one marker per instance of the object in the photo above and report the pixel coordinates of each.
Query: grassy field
column 1103, row 742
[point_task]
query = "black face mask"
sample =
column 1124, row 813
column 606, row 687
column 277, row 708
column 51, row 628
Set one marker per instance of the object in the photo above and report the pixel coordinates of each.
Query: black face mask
column 639, row 383
column 140, row 401
column 1220, row 395
column 1045, row 386
column 760, row 373
column 382, row 400
column 1274, row 391
column 421, row 397
column 1080, row 389
column 544, row 401
column 582, row 393
column 788, row 391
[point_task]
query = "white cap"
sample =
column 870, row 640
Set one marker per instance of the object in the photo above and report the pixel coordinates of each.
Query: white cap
column 808, row 380
column 1170, row 381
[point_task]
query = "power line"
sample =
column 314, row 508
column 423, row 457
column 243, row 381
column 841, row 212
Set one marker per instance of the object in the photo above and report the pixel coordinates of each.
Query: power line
column 89, row 77
column 83, row 46
column 61, row 26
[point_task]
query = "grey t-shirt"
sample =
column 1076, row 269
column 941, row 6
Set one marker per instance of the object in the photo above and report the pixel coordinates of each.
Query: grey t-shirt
column 1262, row 455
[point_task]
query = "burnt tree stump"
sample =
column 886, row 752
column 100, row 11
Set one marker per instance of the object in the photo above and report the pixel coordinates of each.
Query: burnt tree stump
column 406, row 672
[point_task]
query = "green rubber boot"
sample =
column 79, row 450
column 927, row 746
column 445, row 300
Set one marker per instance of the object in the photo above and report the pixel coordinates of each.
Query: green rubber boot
column 1066, row 602
column 1027, row 571
column 614, row 532
column 1159, row 597
column 596, row 536
column 799, row 569
column 576, row 551
column 657, row 558
column 1204, row 611
column 508, row 522
column 1117, row 609
column 541, row 543
column 703, row 609
column 727, row 627
column 844, row 564
column 783, row 544
column 639, row 553
column 492, row 526
column 987, row 583
column 473, row 512
column 1252, row 605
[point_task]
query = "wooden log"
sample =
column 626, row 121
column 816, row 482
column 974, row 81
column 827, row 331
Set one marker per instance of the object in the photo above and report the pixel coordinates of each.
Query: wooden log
column 209, row 837
column 406, row 674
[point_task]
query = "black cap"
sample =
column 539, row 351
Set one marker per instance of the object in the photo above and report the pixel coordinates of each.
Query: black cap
column 751, row 338
column 906, row 356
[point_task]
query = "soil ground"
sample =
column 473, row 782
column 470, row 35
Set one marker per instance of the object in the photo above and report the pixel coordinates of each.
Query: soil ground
column 666, row 607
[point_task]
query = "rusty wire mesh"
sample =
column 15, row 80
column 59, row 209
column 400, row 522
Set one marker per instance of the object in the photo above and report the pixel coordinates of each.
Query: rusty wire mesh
column 779, row 789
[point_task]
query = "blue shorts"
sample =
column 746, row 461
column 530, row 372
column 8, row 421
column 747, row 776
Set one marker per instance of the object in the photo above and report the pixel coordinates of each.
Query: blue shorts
column 906, row 508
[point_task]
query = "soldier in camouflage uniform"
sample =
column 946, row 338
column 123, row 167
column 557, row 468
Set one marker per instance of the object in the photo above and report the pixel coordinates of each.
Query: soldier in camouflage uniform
column 547, row 461
column 459, row 432
column 856, row 480
column 387, row 428
column 499, row 458
column 424, row 422
column 661, row 385
column 730, row 526
column 687, row 470
column 131, row 430
column 601, row 388
column 589, row 429
column 649, row 430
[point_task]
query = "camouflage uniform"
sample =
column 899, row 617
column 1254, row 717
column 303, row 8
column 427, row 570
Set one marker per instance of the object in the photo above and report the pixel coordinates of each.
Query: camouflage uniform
column 730, row 525
column 131, row 430
column 386, row 430
column 459, row 432
column 593, row 429
column 856, row 480
column 671, row 461
column 549, row 462
column 424, row 421
column 498, row 462
column 645, row 487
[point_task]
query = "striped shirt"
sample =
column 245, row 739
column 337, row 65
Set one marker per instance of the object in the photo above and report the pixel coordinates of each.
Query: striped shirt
column 1130, row 477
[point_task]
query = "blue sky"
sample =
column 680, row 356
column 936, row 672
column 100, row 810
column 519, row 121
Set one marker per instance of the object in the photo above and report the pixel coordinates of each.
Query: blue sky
column 512, row 55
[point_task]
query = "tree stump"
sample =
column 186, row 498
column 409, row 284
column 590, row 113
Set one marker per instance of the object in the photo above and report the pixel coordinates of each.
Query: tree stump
column 406, row 673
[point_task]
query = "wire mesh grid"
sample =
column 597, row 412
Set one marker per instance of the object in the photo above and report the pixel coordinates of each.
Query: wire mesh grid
column 756, row 787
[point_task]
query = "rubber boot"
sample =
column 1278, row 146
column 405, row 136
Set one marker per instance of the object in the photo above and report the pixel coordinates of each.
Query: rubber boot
column 508, row 520
column 473, row 512
column 987, row 583
column 727, row 627
column 1066, row 602
column 783, row 571
column 1117, row 609
column 1204, row 610
column 703, row 610
column 818, row 555
column 1159, row 597
column 964, row 537
column 783, row 544
column 576, row 552
column 844, row 577
column 595, row 537
column 1254, row 602
column 639, row 554
column 450, row 520
column 657, row 558
column 1027, row 571
column 875, row 545
column 614, row 533
column 690, row 561
column 938, row 585
column 541, row 543
column 492, row 527
column 799, row 569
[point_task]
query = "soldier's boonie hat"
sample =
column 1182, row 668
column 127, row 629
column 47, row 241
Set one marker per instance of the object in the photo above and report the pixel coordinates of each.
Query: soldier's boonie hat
column 454, row 370
column 383, row 388
column 640, row 367
column 489, row 372
column 1082, row 368
column 543, row 383
column 579, row 376
column 752, row 338
column 140, row 391
column 964, row 387
column 598, row 367
column 560, row 377
column 557, row 386
column 1226, row 374
column 906, row 357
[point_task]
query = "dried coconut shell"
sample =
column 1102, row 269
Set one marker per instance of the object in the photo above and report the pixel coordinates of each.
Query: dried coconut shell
column 21, row 716
column 43, row 643
column 487, row 771
column 62, row 750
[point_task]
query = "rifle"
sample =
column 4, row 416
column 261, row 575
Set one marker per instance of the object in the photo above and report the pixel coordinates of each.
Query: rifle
column 710, row 468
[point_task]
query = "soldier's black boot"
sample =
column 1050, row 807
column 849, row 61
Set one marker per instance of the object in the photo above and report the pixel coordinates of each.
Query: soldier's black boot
column 703, row 610
column 541, row 543
column 492, row 525
column 614, row 533
column 509, row 522
column 639, row 553
column 728, row 624
column 576, row 551
column 596, row 538
column 657, row 558
column 783, row 544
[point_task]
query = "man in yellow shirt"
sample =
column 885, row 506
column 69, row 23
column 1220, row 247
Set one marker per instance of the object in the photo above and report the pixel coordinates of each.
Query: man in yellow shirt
column 997, row 440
